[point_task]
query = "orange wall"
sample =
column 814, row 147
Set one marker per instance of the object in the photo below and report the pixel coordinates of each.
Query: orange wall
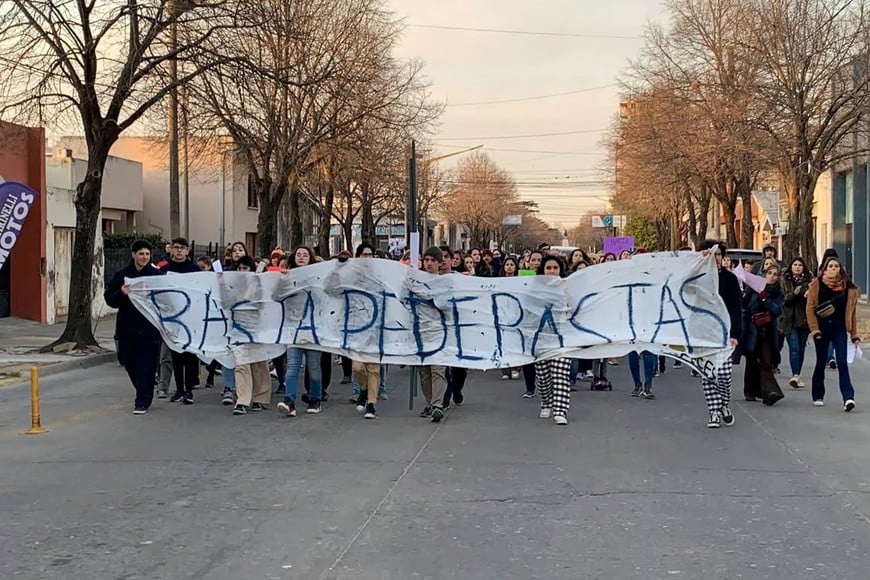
column 22, row 158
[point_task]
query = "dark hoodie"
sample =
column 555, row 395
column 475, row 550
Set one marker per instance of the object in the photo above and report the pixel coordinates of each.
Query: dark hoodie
column 129, row 321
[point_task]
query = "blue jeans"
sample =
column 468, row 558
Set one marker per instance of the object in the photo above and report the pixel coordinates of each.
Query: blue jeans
column 294, row 370
column 797, row 348
column 649, row 367
column 229, row 378
column 833, row 334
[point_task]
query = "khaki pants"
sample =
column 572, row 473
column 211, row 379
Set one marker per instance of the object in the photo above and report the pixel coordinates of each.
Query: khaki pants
column 433, row 383
column 368, row 375
column 253, row 384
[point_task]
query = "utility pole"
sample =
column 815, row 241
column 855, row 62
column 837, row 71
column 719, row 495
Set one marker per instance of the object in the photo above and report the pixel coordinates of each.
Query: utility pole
column 411, row 226
column 174, row 198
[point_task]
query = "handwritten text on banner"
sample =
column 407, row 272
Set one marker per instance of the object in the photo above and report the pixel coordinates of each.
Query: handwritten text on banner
column 381, row 311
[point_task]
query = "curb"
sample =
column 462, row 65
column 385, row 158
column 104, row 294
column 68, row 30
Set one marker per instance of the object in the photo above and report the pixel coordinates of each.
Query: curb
column 67, row 366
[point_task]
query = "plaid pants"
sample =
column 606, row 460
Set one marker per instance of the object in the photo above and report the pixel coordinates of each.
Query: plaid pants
column 552, row 382
column 718, row 393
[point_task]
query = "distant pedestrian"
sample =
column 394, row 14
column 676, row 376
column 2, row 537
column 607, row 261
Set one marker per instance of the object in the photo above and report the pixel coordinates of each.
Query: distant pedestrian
column 137, row 339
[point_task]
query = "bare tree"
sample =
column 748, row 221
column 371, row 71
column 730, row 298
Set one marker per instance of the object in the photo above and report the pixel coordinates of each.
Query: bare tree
column 813, row 96
column 321, row 72
column 481, row 195
column 103, row 65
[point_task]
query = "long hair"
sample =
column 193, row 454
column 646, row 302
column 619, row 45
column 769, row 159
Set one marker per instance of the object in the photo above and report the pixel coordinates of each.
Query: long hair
column 847, row 281
column 516, row 266
column 563, row 268
column 311, row 256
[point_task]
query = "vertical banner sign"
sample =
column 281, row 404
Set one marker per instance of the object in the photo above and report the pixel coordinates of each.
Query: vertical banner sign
column 15, row 201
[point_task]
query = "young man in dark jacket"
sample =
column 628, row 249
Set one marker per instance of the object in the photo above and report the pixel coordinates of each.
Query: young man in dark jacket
column 718, row 392
column 137, row 339
column 185, row 365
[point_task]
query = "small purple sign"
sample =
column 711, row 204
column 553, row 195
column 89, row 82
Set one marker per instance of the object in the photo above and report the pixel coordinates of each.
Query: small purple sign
column 15, row 201
column 616, row 245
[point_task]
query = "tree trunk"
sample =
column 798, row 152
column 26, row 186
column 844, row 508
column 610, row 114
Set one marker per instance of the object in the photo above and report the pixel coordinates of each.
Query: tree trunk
column 367, row 219
column 269, row 197
column 294, row 204
column 730, row 211
column 323, row 237
column 78, row 327
column 746, row 226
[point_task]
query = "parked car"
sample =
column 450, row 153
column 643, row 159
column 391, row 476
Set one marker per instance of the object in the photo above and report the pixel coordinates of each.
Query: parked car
column 743, row 255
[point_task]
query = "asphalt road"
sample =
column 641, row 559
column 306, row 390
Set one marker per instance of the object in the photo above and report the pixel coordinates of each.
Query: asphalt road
column 629, row 489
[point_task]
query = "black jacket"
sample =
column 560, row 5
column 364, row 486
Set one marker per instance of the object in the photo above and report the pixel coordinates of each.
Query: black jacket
column 185, row 267
column 729, row 291
column 129, row 321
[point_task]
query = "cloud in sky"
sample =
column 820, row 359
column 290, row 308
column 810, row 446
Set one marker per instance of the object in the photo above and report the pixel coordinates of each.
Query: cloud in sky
column 469, row 66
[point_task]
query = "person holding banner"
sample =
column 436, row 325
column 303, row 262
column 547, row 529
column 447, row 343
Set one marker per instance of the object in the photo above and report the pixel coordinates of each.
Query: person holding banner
column 367, row 375
column 138, row 340
column 433, row 378
column 302, row 256
column 552, row 376
column 717, row 393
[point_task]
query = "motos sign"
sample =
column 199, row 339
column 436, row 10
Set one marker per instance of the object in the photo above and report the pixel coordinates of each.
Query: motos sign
column 15, row 202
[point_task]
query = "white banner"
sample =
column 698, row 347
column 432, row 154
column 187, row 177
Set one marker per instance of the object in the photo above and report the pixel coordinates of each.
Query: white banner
column 381, row 311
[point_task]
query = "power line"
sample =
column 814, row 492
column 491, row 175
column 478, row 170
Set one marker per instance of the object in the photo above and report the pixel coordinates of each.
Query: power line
column 527, row 32
column 493, row 138
column 595, row 153
column 535, row 98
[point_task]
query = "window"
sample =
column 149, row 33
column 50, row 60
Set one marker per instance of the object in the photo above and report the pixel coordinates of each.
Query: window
column 850, row 197
column 253, row 202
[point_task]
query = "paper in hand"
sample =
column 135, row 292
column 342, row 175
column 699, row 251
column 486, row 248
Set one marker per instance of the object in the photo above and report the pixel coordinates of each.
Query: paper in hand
column 217, row 266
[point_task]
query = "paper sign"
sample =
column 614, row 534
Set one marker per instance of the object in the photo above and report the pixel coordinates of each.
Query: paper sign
column 217, row 266
column 617, row 244
column 261, row 267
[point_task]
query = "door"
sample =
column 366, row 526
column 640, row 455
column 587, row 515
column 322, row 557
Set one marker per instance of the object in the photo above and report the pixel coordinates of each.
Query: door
column 63, row 247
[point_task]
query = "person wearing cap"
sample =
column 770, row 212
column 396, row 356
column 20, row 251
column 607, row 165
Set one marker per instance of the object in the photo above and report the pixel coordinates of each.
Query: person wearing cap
column 433, row 378
column 138, row 341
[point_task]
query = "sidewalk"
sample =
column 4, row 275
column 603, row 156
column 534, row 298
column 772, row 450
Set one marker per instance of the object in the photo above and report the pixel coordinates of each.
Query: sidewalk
column 20, row 341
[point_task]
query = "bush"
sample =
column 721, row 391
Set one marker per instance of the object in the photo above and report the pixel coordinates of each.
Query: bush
column 126, row 239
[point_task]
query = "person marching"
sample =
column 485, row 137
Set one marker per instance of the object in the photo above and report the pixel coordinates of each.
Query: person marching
column 832, row 304
column 185, row 365
column 552, row 376
column 433, row 378
column 717, row 393
column 137, row 339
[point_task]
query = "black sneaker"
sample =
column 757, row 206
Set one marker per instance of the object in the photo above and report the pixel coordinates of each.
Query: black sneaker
column 727, row 416
column 259, row 407
column 529, row 394
column 458, row 398
column 647, row 394
column 178, row 396
column 240, row 410
column 140, row 410
column 426, row 413
column 188, row 398
column 227, row 397
column 313, row 408
column 678, row 364
column 637, row 391
column 437, row 415
column 305, row 398
column 209, row 385
column 715, row 421
column 832, row 364
column 370, row 412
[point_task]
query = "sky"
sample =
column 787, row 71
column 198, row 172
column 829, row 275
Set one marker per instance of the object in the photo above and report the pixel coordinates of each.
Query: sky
column 558, row 171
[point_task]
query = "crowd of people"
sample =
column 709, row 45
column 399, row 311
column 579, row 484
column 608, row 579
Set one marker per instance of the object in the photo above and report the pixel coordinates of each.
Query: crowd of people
column 793, row 306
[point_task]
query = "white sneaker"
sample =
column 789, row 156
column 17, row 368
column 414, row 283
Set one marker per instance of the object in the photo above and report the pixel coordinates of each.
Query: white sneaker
column 545, row 413
column 801, row 384
column 515, row 375
column 818, row 403
column 589, row 375
column 505, row 377
column 715, row 420
column 560, row 420
column 360, row 408
column 849, row 406
column 793, row 382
